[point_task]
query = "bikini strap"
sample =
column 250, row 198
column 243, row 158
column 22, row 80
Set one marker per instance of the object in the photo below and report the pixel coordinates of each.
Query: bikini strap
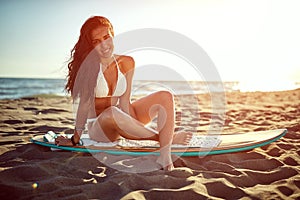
column 116, row 61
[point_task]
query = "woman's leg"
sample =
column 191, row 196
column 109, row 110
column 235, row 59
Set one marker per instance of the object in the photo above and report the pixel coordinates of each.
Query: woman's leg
column 115, row 122
column 160, row 104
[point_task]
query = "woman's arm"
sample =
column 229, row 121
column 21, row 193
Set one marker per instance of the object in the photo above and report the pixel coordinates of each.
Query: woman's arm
column 81, row 116
column 127, row 64
column 82, row 113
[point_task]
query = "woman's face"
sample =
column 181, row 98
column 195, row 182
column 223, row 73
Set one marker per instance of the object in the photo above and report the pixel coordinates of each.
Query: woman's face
column 102, row 41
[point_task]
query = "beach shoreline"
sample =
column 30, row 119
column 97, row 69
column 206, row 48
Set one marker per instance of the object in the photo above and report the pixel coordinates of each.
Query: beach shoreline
column 29, row 171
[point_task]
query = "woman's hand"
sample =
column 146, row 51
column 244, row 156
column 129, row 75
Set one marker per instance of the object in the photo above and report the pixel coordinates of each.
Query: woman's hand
column 63, row 141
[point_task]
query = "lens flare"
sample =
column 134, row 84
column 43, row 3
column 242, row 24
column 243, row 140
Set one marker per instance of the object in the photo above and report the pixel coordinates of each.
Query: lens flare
column 35, row 185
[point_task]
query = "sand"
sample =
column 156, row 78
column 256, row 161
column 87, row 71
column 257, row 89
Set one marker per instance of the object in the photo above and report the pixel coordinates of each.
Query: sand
column 29, row 171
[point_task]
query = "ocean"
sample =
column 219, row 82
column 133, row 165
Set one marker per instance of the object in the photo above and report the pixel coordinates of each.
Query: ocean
column 13, row 88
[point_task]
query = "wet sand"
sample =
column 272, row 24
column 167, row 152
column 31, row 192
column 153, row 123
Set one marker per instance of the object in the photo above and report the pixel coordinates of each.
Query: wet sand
column 28, row 171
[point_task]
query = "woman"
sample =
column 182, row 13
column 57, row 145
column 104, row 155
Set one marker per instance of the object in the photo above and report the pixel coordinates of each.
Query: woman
column 101, row 82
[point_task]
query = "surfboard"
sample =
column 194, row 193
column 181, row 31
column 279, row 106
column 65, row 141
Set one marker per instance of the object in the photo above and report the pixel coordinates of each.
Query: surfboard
column 200, row 145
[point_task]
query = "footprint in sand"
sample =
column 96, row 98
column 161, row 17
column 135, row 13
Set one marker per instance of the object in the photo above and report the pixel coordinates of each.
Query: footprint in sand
column 17, row 121
column 285, row 190
column 29, row 121
column 11, row 133
column 12, row 121
column 30, row 108
column 290, row 161
column 46, row 128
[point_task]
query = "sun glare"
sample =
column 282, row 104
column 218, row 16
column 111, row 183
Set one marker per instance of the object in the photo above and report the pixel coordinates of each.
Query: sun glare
column 266, row 85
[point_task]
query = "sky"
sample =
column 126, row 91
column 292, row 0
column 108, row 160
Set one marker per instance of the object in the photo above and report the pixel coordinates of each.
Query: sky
column 253, row 41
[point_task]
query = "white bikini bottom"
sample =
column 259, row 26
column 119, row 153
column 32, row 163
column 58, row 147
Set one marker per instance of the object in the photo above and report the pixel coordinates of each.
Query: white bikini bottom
column 89, row 120
column 94, row 129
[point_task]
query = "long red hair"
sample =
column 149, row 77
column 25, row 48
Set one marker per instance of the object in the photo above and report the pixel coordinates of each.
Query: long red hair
column 83, row 48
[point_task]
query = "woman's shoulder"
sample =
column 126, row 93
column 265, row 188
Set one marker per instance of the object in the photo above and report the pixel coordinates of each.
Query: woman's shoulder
column 126, row 62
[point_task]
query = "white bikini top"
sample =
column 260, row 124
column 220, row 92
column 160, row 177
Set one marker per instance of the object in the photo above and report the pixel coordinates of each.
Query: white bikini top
column 102, row 89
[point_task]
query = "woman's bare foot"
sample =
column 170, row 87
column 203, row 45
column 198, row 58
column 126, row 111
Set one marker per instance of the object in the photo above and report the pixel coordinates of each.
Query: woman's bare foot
column 182, row 137
column 165, row 162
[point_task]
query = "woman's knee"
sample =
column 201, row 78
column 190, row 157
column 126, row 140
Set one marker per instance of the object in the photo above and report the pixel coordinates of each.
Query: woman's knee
column 108, row 116
column 165, row 95
column 114, row 116
column 166, row 98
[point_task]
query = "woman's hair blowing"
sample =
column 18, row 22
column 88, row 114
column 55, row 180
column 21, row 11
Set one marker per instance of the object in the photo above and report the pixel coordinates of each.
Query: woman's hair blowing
column 84, row 60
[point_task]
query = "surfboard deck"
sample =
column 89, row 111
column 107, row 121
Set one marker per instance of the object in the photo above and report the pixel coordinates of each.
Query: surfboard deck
column 210, row 144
